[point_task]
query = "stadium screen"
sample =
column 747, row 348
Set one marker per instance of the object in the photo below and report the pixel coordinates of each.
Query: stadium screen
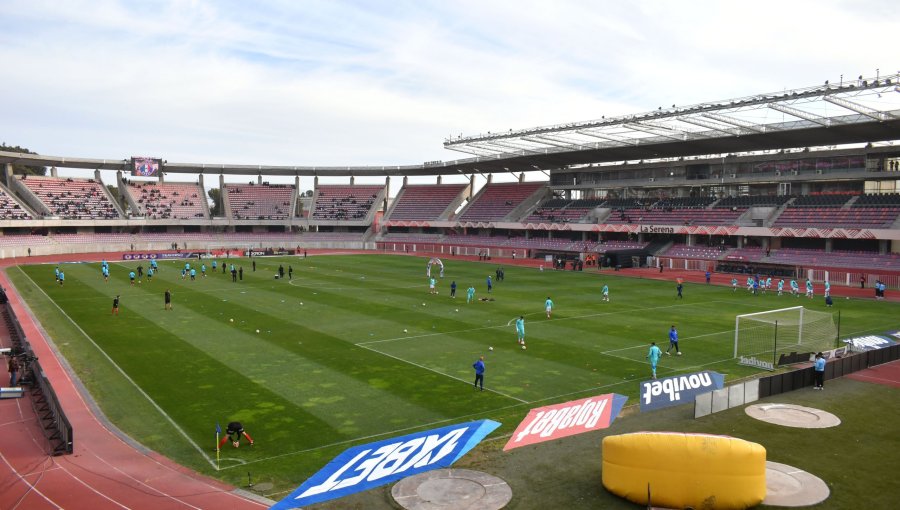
column 144, row 167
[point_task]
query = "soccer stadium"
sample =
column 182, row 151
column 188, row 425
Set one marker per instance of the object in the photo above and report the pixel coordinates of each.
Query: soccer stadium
column 353, row 255
column 307, row 318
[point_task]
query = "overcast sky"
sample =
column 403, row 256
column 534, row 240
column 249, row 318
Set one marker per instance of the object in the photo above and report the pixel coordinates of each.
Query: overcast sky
column 295, row 82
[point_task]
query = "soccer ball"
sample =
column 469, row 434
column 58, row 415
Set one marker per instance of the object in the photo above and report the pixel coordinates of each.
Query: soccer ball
column 236, row 444
column 678, row 353
column 458, row 308
column 301, row 303
column 230, row 320
column 523, row 347
column 490, row 348
column 423, row 304
column 405, row 331
column 257, row 331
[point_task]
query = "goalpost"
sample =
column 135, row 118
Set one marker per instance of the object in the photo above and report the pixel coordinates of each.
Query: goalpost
column 760, row 335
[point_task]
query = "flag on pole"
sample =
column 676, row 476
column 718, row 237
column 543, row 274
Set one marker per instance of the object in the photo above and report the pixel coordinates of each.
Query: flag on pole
column 218, row 431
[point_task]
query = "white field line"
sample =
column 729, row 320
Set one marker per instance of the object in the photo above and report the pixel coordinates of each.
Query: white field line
column 642, row 346
column 485, row 413
column 125, row 375
column 437, row 372
column 576, row 317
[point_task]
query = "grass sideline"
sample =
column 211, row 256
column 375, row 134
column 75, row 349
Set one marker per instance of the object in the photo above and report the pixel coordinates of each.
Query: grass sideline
column 339, row 370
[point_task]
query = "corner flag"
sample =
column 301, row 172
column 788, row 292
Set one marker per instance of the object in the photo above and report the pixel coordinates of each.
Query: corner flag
column 218, row 431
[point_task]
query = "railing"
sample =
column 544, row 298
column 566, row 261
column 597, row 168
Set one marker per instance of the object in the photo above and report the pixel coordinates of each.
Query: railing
column 47, row 407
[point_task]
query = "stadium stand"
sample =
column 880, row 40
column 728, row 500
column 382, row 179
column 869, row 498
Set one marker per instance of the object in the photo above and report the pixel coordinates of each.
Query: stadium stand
column 179, row 237
column 840, row 210
column 496, row 201
column 24, row 240
column 334, row 236
column 253, row 237
column 345, row 203
column 674, row 211
column 92, row 238
column 10, row 209
column 260, row 201
column 70, row 198
column 684, row 251
column 412, row 238
column 168, row 200
column 747, row 201
column 425, row 202
column 560, row 210
column 836, row 258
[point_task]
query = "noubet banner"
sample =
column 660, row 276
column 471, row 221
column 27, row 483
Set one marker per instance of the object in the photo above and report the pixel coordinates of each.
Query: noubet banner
column 679, row 389
column 367, row 466
column 561, row 420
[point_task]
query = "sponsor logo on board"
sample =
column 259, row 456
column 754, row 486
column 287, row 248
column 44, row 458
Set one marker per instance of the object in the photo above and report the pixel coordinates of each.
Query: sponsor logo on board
column 680, row 389
column 567, row 419
column 363, row 467
column 752, row 361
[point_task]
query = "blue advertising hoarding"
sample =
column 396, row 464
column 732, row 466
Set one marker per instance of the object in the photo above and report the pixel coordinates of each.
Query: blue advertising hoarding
column 679, row 389
column 371, row 465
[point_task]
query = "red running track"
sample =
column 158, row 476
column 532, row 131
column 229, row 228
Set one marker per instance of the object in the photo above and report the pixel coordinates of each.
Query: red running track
column 887, row 374
column 105, row 472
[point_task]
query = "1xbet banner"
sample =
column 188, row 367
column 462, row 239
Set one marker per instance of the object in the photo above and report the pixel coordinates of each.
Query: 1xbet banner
column 561, row 420
column 363, row 467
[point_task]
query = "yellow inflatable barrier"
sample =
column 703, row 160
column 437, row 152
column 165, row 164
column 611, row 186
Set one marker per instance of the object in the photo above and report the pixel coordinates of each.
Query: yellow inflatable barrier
column 685, row 470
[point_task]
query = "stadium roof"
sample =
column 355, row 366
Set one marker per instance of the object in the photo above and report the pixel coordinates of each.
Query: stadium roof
column 863, row 110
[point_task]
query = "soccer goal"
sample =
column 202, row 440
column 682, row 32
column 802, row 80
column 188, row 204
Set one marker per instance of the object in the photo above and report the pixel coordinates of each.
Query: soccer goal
column 761, row 336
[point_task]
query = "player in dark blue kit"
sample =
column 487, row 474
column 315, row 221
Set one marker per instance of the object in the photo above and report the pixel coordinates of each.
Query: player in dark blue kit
column 673, row 341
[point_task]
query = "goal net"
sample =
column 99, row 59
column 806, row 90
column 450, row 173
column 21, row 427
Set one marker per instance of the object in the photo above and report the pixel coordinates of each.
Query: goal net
column 760, row 337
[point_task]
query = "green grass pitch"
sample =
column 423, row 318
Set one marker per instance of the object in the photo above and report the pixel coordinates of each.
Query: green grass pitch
column 354, row 349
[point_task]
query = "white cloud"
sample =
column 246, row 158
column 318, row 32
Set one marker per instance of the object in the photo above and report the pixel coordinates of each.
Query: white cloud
column 333, row 83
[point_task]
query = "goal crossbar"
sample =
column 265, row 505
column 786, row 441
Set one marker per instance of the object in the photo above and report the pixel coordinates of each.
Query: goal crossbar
column 737, row 321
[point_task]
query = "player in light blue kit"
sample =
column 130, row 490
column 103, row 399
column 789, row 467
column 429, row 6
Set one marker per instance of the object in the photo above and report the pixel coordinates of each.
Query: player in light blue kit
column 606, row 293
column 734, row 285
column 780, row 286
column 470, row 294
column 548, row 306
column 809, row 289
column 827, row 288
column 654, row 356
column 795, row 289
column 520, row 329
